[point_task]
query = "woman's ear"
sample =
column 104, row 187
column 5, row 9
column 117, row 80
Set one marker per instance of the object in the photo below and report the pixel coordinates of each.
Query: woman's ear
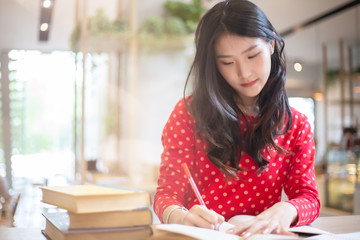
column 272, row 46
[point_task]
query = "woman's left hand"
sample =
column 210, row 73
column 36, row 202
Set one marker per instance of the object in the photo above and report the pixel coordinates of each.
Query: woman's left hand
column 276, row 219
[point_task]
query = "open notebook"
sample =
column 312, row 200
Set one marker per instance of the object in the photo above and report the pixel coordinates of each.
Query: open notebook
column 176, row 231
column 301, row 230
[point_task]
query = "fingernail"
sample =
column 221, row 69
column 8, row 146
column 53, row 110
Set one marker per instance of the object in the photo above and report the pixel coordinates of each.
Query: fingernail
column 266, row 231
column 218, row 226
column 231, row 230
column 212, row 226
column 245, row 235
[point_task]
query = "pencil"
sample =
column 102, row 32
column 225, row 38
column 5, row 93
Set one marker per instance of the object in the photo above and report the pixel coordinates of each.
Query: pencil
column 192, row 183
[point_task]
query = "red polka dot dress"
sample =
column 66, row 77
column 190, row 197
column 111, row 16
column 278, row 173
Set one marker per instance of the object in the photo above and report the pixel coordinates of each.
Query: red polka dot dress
column 252, row 192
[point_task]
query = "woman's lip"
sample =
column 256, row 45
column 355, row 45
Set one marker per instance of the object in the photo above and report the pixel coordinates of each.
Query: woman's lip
column 249, row 84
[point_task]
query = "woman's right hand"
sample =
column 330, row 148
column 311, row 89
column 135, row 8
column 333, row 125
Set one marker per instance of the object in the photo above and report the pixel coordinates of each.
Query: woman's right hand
column 198, row 216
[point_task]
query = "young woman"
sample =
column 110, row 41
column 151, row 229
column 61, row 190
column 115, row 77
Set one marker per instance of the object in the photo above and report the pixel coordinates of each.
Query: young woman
column 237, row 133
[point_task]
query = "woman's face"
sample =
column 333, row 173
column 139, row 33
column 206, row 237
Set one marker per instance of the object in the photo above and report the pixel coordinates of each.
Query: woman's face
column 244, row 63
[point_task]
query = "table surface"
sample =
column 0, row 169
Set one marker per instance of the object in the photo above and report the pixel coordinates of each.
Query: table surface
column 338, row 225
column 15, row 233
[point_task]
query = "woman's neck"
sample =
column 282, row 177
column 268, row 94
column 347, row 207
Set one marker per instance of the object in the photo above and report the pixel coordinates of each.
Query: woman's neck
column 247, row 106
column 249, row 110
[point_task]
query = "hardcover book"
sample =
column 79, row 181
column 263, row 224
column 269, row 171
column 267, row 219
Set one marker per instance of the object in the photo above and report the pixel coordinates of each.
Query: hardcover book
column 136, row 217
column 58, row 228
column 95, row 198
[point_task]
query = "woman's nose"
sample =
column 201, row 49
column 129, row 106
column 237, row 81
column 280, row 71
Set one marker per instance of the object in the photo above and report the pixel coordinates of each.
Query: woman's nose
column 243, row 70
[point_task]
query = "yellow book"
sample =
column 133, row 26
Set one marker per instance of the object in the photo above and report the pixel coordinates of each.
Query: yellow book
column 57, row 228
column 126, row 218
column 136, row 217
column 95, row 198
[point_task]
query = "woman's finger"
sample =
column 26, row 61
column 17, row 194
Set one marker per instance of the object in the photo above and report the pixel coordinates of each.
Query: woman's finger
column 200, row 216
column 210, row 216
column 198, row 221
column 271, row 227
column 286, row 232
column 258, row 227
column 240, row 228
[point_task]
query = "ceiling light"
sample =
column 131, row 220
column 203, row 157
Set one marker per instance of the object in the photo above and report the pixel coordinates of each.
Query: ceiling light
column 46, row 3
column 298, row 67
column 318, row 96
column 46, row 9
column 44, row 27
column 357, row 89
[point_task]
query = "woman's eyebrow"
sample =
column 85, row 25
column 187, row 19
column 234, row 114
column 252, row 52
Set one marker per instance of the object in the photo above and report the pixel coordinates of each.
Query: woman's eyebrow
column 245, row 51
column 249, row 49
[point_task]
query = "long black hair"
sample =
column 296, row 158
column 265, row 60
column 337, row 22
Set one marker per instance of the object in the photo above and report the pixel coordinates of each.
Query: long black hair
column 212, row 101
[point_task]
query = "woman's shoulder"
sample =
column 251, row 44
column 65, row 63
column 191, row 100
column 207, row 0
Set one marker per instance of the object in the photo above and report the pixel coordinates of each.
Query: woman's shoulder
column 299, row 121
column 298, row 115
column 181, row 115
column 182, row 106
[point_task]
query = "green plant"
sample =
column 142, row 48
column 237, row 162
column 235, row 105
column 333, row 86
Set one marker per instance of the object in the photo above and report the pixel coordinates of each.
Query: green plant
column 75, row 37
column 179, row 19
column 332, row 76
column 98, row 24
column 174, row 26
column 153, row 25
column 357, row 70
column 190, row 13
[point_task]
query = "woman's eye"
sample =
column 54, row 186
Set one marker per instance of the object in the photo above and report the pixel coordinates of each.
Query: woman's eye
column 253, row 56
column 228, row 63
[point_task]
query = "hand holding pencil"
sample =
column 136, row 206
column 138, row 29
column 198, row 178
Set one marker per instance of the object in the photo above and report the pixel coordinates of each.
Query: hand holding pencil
column 200, row 215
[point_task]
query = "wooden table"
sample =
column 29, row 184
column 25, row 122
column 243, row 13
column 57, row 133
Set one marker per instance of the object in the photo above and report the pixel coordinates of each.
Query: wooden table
column 14, row 233
column 338, row 225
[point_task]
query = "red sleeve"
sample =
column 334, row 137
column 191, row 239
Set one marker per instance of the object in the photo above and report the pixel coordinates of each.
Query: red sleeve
column 300, row 185
column 178, row 143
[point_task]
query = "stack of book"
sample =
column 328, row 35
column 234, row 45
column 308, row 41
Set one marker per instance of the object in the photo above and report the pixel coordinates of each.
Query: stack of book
column 97, row 212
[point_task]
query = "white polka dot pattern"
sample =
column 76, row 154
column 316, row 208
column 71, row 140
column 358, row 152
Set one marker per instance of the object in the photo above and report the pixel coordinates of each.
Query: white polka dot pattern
column 253, row 192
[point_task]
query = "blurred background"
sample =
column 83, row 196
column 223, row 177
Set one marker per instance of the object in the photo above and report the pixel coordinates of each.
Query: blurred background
column 88, row 85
